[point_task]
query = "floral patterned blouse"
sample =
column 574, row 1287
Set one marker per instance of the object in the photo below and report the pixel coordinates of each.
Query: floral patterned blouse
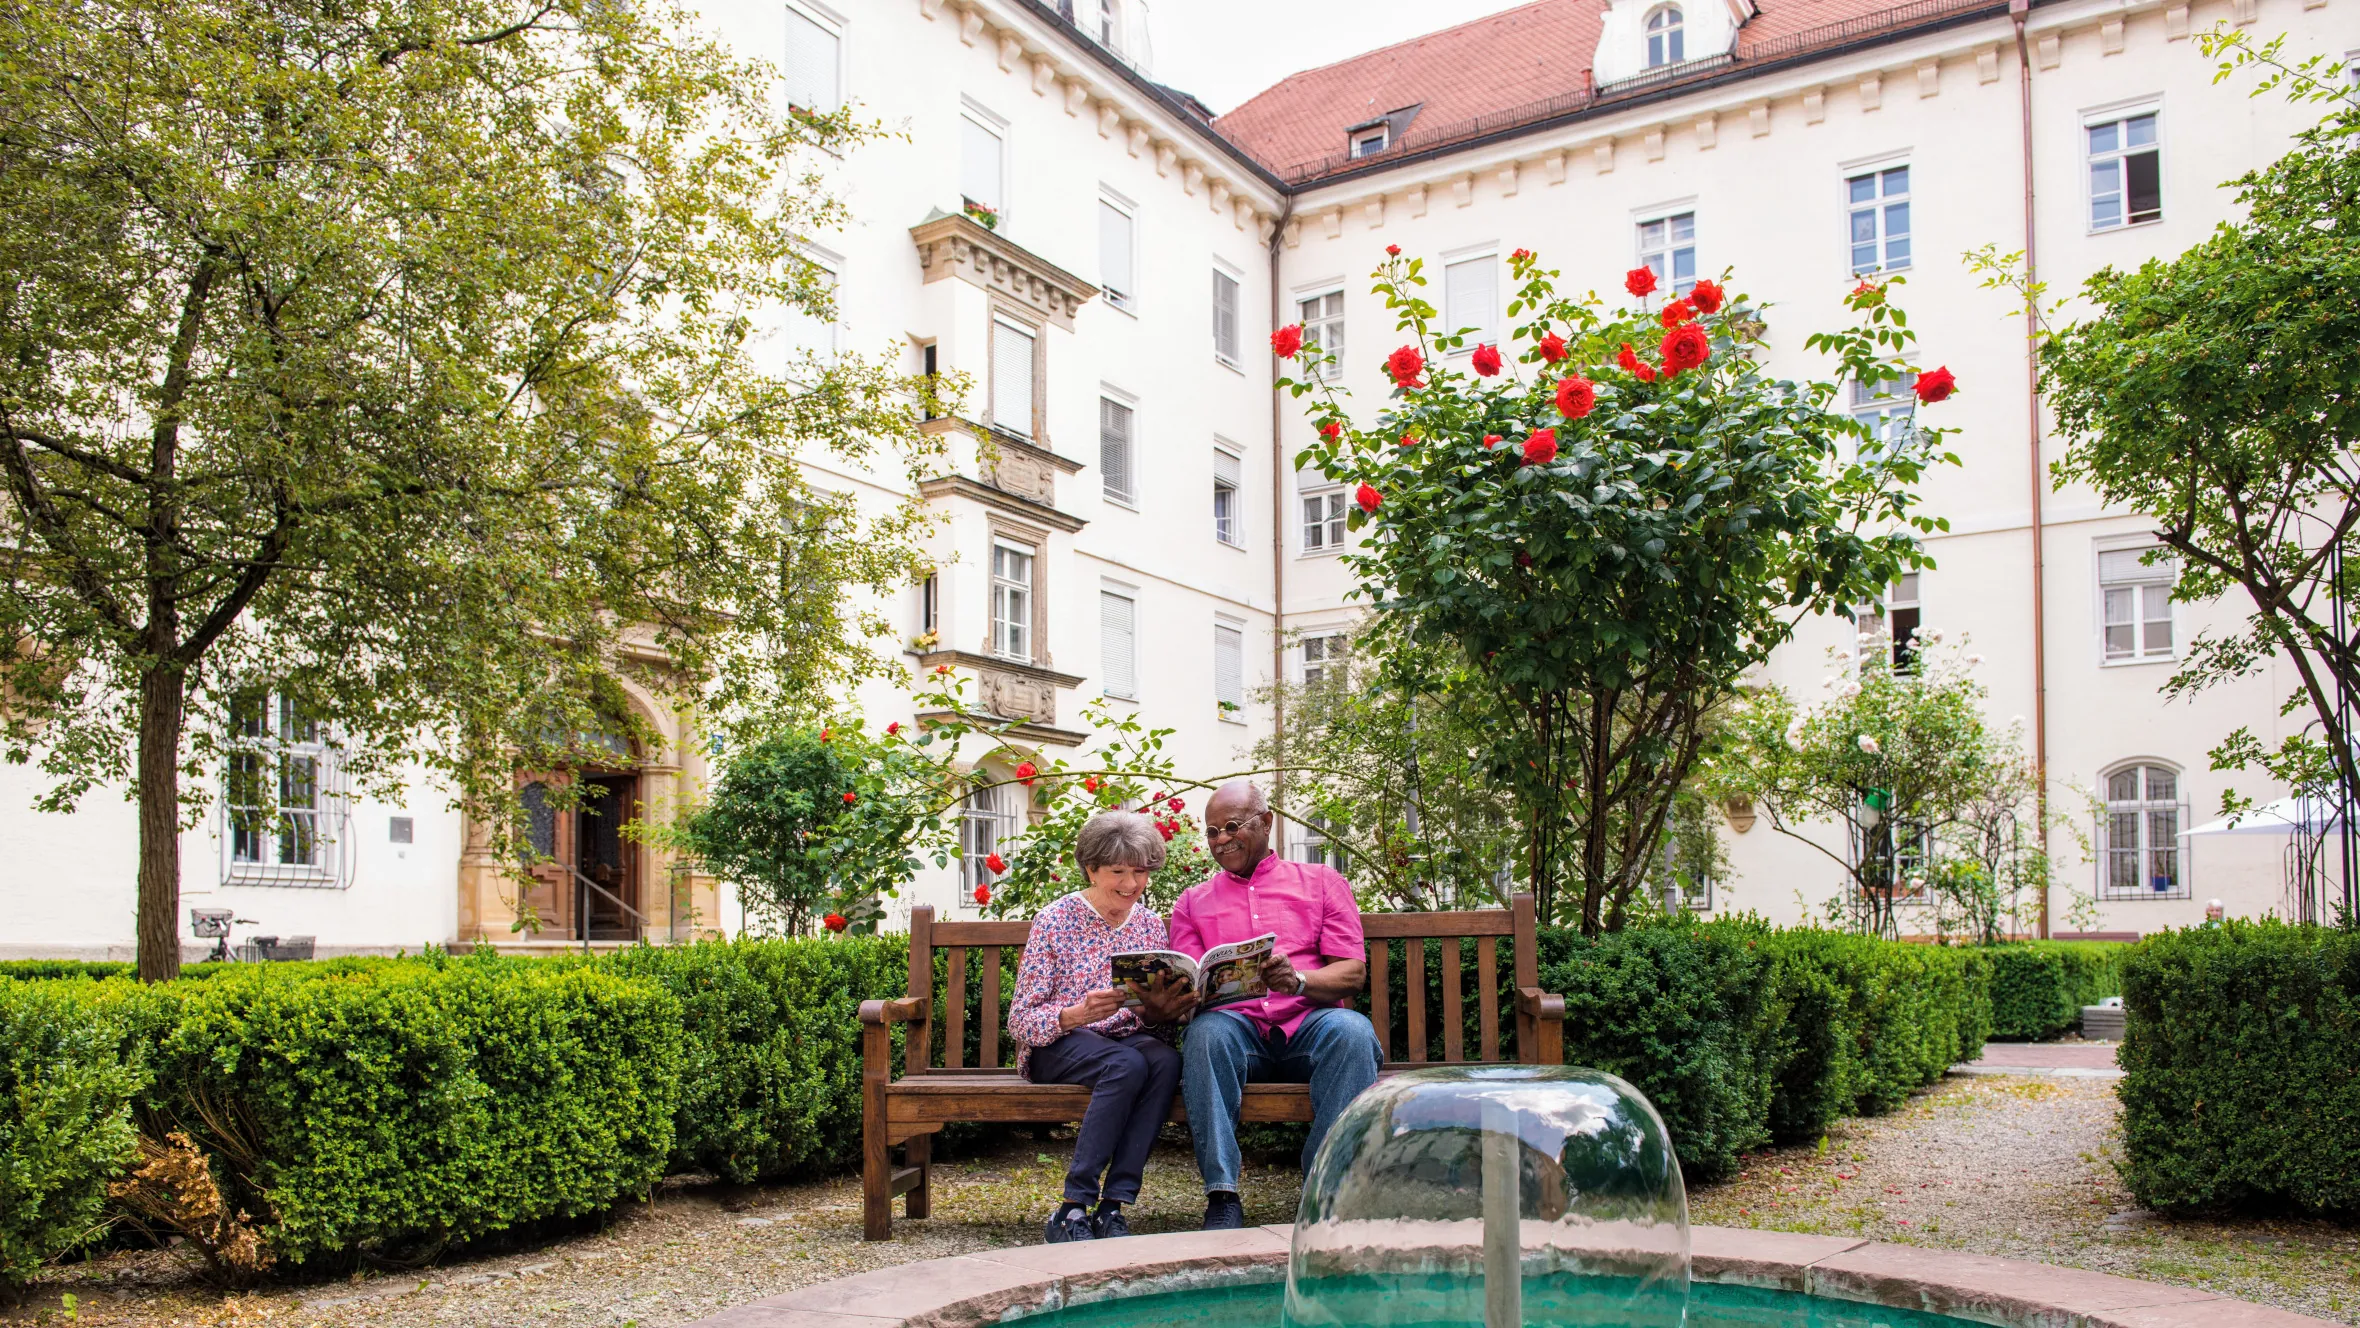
column 1069, row 955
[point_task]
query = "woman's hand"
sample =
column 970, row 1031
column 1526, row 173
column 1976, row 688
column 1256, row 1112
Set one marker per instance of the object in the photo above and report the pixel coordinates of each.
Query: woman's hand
column 1090, row 1009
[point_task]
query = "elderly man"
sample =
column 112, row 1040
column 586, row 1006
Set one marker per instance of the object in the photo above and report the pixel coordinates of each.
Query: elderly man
column 1304, row 1030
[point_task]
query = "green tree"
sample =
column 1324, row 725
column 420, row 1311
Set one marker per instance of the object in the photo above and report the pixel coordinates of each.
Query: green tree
column 1611, row 541
column 402, row 361
column 2218, row 393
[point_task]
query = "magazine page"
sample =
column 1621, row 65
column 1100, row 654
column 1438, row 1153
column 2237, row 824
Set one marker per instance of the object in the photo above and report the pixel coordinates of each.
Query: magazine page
column 1233, row 972
column 1145, row 967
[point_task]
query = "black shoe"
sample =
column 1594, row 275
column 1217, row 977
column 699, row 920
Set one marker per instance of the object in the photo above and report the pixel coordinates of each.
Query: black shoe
column 1070, row 1222
column 1109, row 1223
column 1224, row 1211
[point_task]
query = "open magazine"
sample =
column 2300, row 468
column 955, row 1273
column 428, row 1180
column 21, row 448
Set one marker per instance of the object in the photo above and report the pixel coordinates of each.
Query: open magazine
column 1227, row 973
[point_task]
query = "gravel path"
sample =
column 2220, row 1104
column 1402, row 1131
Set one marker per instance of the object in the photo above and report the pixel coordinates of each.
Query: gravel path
column 2018, row 1167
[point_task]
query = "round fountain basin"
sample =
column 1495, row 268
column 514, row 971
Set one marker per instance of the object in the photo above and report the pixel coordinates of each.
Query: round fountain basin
column 1742, row 1279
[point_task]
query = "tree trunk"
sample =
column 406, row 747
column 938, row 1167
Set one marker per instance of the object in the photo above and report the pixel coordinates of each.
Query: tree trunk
column 162, row 708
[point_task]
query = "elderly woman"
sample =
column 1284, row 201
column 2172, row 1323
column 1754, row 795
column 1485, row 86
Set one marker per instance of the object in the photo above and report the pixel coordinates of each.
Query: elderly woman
column 1074, row 1030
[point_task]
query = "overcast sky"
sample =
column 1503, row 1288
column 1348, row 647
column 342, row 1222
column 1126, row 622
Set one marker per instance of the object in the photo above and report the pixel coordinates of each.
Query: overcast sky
column 1225, row 51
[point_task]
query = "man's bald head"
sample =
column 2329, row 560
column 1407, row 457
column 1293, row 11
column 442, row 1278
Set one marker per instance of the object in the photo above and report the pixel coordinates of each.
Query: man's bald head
column 1242, row 803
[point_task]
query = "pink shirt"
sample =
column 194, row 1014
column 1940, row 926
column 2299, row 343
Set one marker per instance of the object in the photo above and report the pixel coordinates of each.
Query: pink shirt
column 1310, row 907
column 1070, row 954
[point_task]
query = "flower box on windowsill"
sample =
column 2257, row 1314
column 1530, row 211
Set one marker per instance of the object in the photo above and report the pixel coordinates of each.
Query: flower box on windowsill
column 988, row 218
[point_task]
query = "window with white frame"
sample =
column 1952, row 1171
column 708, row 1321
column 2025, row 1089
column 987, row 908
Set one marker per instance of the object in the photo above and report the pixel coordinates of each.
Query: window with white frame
column 1667, row 247
column 1470, row 298
column 1229, row 471
column 2352, row 71
column 1109, row 27
column 2139, row 834
column 1887, row 409
column 1323, row 521
column 1115, row 453
column 1115, row 249
column 1315, row 843
column 1229, row 670
column 2126, row 170
column 1012, row 377
column 1322, row 317
column 989, row 817
column 1876, row 209
column 983, row 165
column 283, row 800
column 812, row 73
column 1225, row 297
column 1118, row 642
column 930, row 610
column 1372, row 140
column 1012, row 600
column 1667, row 42
column 1325, row 658
column 1903, row 616
column 2135, row 604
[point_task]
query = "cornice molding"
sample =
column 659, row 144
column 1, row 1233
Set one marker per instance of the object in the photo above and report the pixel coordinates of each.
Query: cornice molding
column 959, row 486
column 959, row 246
column 968, row 659
column 1044, row 734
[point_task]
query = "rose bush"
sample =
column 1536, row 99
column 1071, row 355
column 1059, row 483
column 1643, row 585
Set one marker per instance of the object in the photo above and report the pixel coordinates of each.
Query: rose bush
column 1654, row 526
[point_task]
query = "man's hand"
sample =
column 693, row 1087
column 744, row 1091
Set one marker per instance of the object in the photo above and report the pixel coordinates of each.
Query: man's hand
column 1166, row 1000
column 1090, row 1009
column 1278, row 974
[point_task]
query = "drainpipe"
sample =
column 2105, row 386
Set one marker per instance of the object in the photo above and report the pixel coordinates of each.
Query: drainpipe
column 2017, row 11
column 1278, row 538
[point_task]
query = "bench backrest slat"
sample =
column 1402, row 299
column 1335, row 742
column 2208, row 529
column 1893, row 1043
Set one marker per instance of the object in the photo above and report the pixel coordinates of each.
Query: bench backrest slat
column 1482, row 928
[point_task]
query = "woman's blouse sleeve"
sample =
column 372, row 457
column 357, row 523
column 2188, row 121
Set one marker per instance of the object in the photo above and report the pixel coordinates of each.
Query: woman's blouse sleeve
column 1032, row 1012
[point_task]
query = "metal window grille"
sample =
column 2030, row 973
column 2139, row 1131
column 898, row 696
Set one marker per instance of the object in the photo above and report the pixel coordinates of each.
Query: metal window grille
column 2142, row 835
column 286, row 807
column 988, row 819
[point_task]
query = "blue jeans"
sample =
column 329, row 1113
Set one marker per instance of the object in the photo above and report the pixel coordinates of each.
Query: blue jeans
column 1334, row 1050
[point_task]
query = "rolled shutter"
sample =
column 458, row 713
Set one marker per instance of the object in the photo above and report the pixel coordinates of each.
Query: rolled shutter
column 1229, row 665
column 1114, row 449
column 811, row 66
column 1227, row 468
column 1118, row 651
column 1012, row 379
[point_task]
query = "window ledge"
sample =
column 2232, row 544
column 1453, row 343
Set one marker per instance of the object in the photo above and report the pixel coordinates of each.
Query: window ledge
column 2126, row 226
column 1127, row 504
column 1229, row 544
column 2135, row 663
column 1319, row 553
column 1231, row 365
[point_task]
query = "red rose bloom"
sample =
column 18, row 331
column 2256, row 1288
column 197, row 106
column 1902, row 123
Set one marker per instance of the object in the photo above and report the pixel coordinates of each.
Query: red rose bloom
column 1407, row 366
column 983, row 894
column 1640, row 281
column 1176, row 804
column 1165, row 828
column 850, row 797
column 1707, row 296
column 833, row 922
column 1368, row 498
column 1541, row 448
column 1520, row 255
column 1091, row 784
column 1393, row 251
column 1576, row 397
column 1523, row 559
column 941, row 669
column 1866, row 290
column 1408, row 441
column 1632, row 364
column 1677, row 312
column 893, row 728
column 827, row 735
column 1936, row 385
column 1287, row 340
column 1685, row 347
column 997, row 863
column 1025, row 770
column 1487, row 360
column 1331, row 431
column 1552, row 347
column 1491, row 440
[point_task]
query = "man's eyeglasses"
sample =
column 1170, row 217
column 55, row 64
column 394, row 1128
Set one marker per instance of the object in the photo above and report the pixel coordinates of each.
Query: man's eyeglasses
column 1231, row 829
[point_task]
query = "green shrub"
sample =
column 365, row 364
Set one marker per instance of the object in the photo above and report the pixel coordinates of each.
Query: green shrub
column 2039, row 987
column 389, row 1107
column 1922, row 1009
column 66, row 1130
column 1817, row 1045
column 2242, row 1058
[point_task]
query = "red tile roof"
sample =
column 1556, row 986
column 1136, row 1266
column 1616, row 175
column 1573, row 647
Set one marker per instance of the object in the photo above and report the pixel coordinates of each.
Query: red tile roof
column 1512, row 68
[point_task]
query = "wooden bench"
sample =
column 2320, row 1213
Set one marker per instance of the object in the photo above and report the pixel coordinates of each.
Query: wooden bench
column 909, row 1110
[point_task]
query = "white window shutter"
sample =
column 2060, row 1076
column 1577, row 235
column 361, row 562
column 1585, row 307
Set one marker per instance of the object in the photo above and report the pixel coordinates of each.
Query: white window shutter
column 1114, row 253
column 1012, row 379
column 1227, row 467
column 1118, row 652
column 1114, row 449
column 811, row 65
column 1471, row 296
column 1225, row 315
column 979, row 165
column 1229, row 665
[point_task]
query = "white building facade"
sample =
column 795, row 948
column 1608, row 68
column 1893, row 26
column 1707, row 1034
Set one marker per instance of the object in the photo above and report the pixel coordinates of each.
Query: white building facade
column 1105, row 262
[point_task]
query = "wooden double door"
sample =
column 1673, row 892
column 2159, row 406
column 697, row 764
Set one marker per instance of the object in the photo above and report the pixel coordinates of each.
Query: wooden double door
column 585, row 877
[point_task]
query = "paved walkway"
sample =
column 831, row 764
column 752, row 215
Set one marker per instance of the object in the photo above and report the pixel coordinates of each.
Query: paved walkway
column 2071, row 1060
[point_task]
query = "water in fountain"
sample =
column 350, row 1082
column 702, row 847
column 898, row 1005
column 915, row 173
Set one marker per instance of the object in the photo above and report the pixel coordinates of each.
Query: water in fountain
column 1499, row 1196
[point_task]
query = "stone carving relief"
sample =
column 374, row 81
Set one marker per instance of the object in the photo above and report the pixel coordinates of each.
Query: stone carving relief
column 1015, row 696
column 1022, row 474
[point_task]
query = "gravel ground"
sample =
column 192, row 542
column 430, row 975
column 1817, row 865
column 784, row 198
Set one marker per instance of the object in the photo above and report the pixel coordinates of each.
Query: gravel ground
column 2018, row 1167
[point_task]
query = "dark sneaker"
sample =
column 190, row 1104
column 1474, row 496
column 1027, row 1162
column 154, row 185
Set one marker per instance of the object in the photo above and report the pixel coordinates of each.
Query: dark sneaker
column 1110, row 1224
column 1070, row 1222
column 1224, row 1211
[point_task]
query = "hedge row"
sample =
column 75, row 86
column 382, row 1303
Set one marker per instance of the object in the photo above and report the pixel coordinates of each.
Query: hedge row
column 2241, row 1050
column 387, row 1107
column 2038, row 988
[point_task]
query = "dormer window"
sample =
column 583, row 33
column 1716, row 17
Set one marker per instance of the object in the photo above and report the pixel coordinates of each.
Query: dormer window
column 1666, row 42
column 1370, row 142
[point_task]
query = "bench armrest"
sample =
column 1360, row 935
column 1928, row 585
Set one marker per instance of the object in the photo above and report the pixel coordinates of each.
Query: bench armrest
column 903, row 1010
column 1539, row 1004
column 1542, row 1014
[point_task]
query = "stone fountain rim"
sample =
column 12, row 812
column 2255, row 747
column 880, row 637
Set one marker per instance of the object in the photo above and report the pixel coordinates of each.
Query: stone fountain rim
column 1005, row 1285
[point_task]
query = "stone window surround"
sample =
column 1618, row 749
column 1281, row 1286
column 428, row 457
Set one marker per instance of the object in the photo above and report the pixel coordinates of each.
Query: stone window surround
column 998, row 527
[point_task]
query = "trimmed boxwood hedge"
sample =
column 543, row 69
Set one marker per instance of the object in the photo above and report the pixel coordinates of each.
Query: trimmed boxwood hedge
column 65, row 1118
column 2039, row 987
column 2241, row 1052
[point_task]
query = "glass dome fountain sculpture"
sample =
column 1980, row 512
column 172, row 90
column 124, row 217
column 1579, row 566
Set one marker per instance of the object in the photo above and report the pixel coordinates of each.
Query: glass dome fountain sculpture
column 1493, row 1195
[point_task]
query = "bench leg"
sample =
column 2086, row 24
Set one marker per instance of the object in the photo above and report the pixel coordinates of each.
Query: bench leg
column 920, row 1153
column 876, row 1185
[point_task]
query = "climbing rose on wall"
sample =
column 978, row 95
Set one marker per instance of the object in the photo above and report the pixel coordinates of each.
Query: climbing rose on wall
column 1025, row 770
column 997, row 863
column 983, row 894
column 1407, row 366
column 1541, row 448
column 1632, row 364
column 1640, row 281
column 833, row 922
column 1552, row 347
column 1331, row 431
column 1486, row 360
column 1936, row 385
column 1287, row 340
column 1685, row 347
column 1368, row 498
column 1707, row 296
column 1677, row 312
column 1576, row 396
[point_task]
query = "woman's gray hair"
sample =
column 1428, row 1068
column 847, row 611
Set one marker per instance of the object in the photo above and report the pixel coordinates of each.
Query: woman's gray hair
column 1119, row 839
